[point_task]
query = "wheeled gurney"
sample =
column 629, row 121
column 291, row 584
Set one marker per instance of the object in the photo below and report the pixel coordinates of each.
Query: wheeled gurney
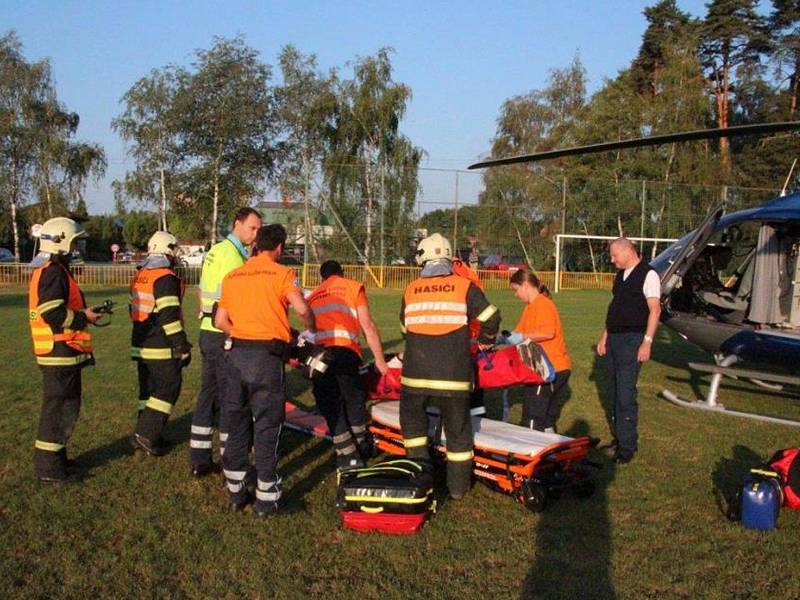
column 529, row 465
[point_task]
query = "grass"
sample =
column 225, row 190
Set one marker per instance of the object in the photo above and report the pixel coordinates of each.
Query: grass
column 142, row 527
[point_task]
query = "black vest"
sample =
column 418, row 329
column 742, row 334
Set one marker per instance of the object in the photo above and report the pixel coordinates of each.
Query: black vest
column 628, row 311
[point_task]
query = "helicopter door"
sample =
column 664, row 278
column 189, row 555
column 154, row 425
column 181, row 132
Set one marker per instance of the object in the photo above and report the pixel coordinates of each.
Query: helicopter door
column 673, row 275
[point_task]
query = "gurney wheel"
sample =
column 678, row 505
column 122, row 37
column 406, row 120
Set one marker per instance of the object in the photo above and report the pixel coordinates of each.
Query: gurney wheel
column 584, row 488
column 533, row 496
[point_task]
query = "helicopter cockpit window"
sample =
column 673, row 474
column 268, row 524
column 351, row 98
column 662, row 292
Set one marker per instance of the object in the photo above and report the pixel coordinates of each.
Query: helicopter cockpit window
column 719, row 282
column 747, row 273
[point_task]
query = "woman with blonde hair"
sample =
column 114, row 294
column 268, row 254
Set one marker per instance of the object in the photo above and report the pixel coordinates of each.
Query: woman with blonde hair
column 541, row 323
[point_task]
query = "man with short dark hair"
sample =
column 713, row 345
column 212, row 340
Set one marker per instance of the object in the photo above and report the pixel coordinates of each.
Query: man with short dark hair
column 221, row 259
column 340, row 309
column 252, row 311
column 627, row 340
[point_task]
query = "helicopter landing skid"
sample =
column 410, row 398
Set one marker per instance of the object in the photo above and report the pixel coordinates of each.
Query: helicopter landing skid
column 718, row 371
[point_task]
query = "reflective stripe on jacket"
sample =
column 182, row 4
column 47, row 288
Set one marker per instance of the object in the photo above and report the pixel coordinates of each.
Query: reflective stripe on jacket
column 436, row 306
column 334, row 303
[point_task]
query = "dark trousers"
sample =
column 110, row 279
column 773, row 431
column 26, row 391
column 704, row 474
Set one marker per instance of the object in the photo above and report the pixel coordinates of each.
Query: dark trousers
column 457, row 429
column 159, row 388
column 623, row 370
column 254, row 409
column 541, row 404
column 61, row 403
column 208, row 410
column 341, row 398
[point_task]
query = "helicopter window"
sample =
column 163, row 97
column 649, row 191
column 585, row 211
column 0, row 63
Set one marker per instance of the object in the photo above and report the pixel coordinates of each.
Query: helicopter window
column 718, row 284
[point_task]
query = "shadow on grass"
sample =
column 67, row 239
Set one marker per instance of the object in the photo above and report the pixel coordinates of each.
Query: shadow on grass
column 573, row 543
column 728, row 476
column 177, row 431
column 293, row 499
column 598, row 377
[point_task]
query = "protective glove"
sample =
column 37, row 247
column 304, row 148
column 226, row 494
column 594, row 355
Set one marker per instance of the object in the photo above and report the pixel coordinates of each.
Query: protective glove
column 307, row 336
column 184, row 352
column 509, row 337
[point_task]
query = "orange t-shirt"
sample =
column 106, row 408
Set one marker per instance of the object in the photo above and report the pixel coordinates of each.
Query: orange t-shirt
column 541, row 317
column 256, row 298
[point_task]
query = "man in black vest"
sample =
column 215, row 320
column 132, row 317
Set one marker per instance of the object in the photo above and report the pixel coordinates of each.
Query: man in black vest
column 631, row 323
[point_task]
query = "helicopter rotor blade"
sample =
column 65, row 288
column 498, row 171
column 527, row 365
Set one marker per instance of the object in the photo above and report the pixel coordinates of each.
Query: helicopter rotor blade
column 656, row 140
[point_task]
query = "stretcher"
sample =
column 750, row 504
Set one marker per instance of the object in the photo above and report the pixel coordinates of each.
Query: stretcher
column 529, row 465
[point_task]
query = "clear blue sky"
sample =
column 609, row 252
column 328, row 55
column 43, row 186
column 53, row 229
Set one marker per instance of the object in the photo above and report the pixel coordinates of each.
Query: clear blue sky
column 461, row 59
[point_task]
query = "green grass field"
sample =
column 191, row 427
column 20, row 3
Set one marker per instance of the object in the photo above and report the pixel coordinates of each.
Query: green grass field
column 142, row 527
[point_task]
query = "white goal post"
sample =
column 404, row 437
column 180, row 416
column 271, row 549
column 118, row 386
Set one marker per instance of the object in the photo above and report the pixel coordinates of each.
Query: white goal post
column 575, row 236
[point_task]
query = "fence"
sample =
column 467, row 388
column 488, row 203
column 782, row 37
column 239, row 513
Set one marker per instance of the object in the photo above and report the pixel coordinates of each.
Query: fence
column 374, row 276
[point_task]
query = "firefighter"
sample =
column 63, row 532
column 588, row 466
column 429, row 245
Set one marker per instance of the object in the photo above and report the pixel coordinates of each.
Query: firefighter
column 340, row 309
column 252, row 311
column 158, row 340
column 437, row 366
column 221, row 259
column 58, row 319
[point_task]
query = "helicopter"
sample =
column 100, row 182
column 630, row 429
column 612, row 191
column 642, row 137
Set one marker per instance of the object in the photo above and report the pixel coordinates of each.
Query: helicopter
column 750, row 320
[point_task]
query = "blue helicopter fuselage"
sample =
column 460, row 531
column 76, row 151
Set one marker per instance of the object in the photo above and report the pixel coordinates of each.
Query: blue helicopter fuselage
column 776, row 347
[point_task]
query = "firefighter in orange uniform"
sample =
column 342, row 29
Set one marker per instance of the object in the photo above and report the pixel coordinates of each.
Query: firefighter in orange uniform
column 158, row 341
column 341, row 310
column 252, row 311
column 58, row 321
column 437, row 366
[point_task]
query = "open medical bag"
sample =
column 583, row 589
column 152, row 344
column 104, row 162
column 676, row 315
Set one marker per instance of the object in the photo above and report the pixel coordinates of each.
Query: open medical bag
column 394, row 496
column 524, row 363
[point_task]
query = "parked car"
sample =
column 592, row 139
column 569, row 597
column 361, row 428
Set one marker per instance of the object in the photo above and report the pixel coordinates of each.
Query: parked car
column 6, row 255
column 497, row 262
column 193, row 259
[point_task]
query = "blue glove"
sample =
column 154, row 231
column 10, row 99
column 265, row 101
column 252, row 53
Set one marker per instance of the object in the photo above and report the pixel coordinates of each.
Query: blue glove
column 515, row 338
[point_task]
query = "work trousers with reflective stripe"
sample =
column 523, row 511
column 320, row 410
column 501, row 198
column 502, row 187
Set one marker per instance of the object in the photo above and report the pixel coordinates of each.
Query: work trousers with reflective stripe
column 341, row 398
column 254, row 410
column 159, row 388
column 209, row 401
column 61, row 403
column 541, row 404
column 457, row 429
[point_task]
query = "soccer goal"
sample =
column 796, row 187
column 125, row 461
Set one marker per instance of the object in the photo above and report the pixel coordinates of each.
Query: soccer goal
column 572, row 254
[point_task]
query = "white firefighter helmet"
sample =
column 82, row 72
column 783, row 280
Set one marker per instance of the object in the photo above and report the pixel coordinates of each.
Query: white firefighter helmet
column 57, row 234
column 434, row 247
column 163, row 242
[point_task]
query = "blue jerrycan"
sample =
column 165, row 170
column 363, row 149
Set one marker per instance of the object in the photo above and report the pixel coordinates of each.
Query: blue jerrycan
column 761, row 499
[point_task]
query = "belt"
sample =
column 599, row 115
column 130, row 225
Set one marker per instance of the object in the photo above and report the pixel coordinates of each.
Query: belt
column 238, row 342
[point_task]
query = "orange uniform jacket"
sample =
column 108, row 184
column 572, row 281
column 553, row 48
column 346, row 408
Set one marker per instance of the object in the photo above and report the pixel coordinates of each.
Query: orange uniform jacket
column 57, row 324
column 335, row 304
column 435, row 314
column 256, row 298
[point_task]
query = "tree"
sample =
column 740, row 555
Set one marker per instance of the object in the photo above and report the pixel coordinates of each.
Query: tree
column 23, row 86
column 732, row 35
column 55, row 125
column 784, row 23
column 520, row 203
column 666, row 23
column 149, row 122
column 138, row 228
column 229, row 126
column 368, row 155
column 306, row 107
